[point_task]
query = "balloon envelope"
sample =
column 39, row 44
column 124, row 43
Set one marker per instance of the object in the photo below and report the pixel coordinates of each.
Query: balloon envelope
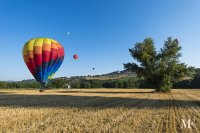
column 75, row 57
column 43, row 57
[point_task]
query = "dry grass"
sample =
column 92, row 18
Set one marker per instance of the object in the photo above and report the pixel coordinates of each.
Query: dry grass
column 98, row 110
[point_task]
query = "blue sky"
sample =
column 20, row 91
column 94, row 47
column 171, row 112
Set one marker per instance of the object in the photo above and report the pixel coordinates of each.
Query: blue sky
column 101, row 31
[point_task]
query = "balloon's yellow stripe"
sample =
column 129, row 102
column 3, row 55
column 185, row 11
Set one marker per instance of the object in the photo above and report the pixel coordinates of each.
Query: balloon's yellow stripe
column 30, row 44
column 38, row 42
column 46, row 44
column 51, row 76
column 25, row 49
column 46, row 41
column 53, row 41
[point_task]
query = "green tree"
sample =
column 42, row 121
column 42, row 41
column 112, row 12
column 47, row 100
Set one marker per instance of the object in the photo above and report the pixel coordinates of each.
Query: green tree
column 58, row 83
column 75, row 85
column 120, row 84
column 196, row 80
column 3, row 84
column 115, row 84
column 85, row 84
column 161, row 68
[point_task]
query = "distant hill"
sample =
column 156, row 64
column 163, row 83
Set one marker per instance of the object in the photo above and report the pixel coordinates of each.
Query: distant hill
column 112, row 75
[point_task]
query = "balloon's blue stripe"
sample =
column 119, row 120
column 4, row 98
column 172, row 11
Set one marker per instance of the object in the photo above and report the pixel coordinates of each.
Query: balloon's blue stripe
column 47, row 69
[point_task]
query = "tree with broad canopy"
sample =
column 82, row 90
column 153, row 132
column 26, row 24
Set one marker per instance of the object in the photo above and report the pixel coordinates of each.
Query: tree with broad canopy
column 161, row 68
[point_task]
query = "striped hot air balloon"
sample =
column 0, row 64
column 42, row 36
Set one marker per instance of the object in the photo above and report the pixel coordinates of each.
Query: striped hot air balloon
column 43, row 57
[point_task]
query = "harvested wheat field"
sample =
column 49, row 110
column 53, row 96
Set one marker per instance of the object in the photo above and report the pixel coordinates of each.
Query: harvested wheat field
column 99, row 110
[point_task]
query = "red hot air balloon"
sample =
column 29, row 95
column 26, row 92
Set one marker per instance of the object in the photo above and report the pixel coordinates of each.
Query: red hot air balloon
column 75, row 57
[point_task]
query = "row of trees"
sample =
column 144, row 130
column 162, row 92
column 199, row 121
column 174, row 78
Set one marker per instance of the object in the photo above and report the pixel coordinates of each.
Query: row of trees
column 120, row 83
column 20, row 84
column 129, row 83
column 81, row 83
column 193, row 83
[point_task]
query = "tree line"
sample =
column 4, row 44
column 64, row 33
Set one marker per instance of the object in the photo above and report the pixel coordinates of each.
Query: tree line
column 127, row 82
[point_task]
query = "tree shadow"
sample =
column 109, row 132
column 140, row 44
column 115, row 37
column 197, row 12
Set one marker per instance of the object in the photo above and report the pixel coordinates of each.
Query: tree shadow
column 65, row 101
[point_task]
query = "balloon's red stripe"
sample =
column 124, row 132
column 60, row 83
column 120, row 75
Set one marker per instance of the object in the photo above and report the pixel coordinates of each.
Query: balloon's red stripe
column 38, row 59
column 30, row 67
column 46, row 56
column 54, row 54
column 31, row 60
column 59, row 52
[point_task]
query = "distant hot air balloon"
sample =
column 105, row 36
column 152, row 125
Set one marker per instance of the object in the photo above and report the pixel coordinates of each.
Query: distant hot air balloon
column 43, row 57
column 93, row 68
column 75, row 56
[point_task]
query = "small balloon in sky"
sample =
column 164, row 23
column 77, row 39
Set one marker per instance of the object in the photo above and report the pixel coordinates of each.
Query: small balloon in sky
column 75, row 56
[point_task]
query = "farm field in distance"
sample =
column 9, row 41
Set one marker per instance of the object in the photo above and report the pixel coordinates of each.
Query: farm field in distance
column 99, row 110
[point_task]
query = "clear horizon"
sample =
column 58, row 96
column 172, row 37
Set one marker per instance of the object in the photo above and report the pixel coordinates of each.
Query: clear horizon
column 100, row 32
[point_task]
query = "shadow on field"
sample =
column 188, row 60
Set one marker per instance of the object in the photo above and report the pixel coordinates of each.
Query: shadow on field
column 52, row 101
column 106, row 92
column 3, row 93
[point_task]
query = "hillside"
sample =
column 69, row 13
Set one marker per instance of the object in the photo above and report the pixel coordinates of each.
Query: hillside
column 112, row 75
